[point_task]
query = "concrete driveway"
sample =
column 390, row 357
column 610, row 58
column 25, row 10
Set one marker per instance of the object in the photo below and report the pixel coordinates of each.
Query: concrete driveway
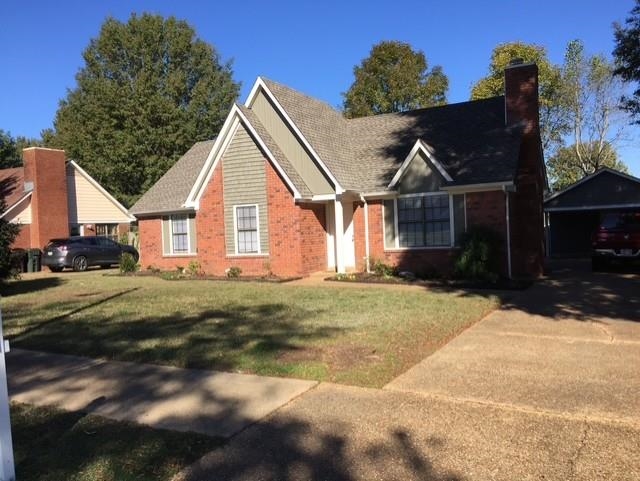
column 547, row 388
column 570, row 344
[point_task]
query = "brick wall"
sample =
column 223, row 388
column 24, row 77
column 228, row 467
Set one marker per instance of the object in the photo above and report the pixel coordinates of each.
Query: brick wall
column 489, row 209
column 49, row 210
column 23, row 240
column 297, row 238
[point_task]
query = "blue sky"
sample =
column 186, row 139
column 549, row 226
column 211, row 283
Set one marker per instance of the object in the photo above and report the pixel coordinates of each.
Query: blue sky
column 309, row 45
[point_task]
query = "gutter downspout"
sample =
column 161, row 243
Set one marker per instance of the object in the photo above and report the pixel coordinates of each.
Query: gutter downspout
column 506, row 193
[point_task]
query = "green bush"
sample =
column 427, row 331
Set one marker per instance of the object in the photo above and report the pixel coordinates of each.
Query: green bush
column 479, row 255
column 379, row 268
column 194, row 268
column 128, row 263
column 233, row 272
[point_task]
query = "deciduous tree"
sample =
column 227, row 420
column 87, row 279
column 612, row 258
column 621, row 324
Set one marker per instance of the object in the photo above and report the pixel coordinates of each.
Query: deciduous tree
column 148, row 90
column 627, row 56
column 394, row 78
column 565, row 167
column 553, row 124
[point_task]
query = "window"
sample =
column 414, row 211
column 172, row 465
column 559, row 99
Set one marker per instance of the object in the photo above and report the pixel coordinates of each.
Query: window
column 424, row 221
column 247, row 229
column 109, row 231
column 180, row 234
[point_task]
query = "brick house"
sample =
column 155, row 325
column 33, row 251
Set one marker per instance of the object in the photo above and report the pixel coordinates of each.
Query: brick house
column 51, row 197
column 290, row 186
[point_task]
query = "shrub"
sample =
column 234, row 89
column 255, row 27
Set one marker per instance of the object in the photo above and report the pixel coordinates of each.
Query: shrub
column 478, row 259
column 128, row 263
column 233, row 272
column 379, row 268
column 194, row 268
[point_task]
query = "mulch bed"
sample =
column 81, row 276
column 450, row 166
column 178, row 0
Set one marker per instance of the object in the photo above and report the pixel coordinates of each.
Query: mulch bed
column 500, row 284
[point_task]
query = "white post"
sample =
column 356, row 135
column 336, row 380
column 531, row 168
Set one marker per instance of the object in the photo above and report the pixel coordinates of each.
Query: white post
column 339, row 233
column 7, row 469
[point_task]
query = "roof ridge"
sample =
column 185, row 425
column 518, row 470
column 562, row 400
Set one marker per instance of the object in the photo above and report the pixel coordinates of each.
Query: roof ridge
column 424, row 109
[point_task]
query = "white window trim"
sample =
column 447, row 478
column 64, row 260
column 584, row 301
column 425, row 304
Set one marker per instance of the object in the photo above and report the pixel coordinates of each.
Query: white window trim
column 171, row 253
column 235, row 231
column 395, row 222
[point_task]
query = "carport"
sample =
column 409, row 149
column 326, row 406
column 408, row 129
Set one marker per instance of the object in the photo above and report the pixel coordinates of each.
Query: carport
column 573, row 214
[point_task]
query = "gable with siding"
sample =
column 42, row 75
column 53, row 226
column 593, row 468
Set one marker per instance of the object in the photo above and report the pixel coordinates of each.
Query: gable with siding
column 88, row 203
column 244, row 183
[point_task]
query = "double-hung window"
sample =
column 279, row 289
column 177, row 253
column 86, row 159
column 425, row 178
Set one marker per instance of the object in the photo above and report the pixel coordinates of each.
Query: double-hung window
column 424, row 221
column 180, row 234
column 247, row 238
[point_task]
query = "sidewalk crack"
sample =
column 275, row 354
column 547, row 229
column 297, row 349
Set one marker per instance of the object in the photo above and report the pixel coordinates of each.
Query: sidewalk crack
column 573, row 462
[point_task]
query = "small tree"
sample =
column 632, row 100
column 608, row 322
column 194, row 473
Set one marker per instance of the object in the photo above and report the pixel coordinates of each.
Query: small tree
column 8, row 234
column 394, row 78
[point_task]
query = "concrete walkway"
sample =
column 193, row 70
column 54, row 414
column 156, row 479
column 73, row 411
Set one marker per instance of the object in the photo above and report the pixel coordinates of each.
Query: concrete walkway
column 213, row 403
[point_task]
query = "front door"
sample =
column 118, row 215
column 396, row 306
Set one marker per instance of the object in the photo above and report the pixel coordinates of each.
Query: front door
column 348, row 244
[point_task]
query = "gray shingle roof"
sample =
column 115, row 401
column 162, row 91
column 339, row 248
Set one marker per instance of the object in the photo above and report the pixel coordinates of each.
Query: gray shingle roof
column 469, row 139
column 170, row 192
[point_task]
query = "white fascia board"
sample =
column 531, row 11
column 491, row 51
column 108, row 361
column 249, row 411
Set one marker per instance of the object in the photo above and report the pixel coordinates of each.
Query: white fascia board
column 229, row 129
column 380, row 195
column 592, row 207
column 14, row 206
column 102, row 190
column 260, row 84
column 489, row 186
column 419, row 146
column 193, row 198
column 323, row 197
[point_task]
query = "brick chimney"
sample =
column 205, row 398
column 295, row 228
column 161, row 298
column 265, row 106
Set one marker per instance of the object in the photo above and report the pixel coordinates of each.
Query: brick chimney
column 521, row 95
column 45, row 173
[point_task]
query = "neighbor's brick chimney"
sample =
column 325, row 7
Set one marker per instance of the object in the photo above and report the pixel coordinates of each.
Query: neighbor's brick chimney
column 521, row 95
column 45, row 169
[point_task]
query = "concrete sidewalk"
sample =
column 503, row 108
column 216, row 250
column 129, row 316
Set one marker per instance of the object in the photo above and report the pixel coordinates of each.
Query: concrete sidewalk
column 213, row 403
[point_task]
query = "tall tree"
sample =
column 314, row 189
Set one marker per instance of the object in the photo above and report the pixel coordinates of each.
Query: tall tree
column 394, row 78
column 9, row 156
column 553, row 124
column 564, row 168
column 11, row 149
column 591, row 95
column 627, row 56
column 148, row 90
column 8, row 233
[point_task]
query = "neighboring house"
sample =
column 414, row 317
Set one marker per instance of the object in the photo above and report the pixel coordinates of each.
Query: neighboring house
column 50, row 198
column 573, row 214
column 290, row 186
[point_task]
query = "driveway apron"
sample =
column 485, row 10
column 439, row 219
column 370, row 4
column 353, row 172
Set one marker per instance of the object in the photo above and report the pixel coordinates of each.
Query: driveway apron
column 570, row 344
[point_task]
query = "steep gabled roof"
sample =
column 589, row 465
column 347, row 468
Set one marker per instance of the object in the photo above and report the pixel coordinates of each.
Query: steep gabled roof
column 469, row 139
column 171, row 191
column 12, row 185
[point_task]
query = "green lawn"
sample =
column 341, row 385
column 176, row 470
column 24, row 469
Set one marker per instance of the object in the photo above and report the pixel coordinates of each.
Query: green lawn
column 54, row 445
column 343, row 334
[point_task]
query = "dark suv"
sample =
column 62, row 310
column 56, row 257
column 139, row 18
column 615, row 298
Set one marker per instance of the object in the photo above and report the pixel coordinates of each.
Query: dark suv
column 81, row 252
column 616, row 240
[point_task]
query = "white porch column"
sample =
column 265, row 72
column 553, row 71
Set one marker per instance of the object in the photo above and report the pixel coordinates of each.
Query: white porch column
column 338, row 218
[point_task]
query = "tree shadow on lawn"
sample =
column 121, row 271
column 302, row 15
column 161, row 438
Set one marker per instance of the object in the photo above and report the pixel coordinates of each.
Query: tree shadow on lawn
column 51, row 444
column 25, row 286
column 229, row 338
